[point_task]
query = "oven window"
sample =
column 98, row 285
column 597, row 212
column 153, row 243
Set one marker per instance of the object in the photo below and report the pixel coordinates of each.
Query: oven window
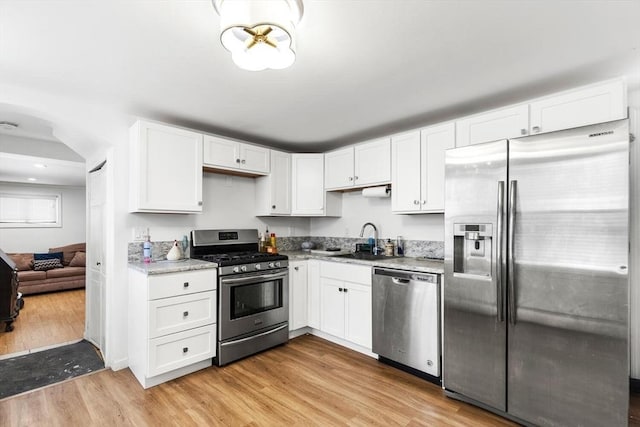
column 255, row 298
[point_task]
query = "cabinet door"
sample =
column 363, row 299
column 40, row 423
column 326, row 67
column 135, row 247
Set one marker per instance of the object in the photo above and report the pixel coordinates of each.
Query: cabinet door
column 405, row 172
column 221, row 152
column 332, row 306
column 338, row 170
column 297, row 295
column 166, row 169
column 435, row 141
column 510, row 122
column 313, row 293
column 254, row 158
column 358, row 317
column 581, row 107
column 372, row 162
column 307, row 184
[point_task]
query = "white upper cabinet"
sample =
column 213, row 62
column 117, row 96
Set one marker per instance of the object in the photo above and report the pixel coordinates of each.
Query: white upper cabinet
column 359, row 165
column 580, row 107
column 226, row 154
column 165, row 169
column 418, row 169
column 405, row 172
column 510, row 122
column 273, row 191
column 308, row 197
column 338, row 169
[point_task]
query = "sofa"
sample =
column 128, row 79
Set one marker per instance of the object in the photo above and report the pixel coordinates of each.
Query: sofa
column 59, row 269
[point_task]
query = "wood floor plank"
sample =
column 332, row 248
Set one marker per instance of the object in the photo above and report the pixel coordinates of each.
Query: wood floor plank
column 46, row 319
column 308, row 382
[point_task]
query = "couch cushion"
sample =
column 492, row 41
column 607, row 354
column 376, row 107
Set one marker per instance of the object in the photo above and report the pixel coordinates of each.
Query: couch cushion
column 24, row 262
column 46, row 264
column 79, row 260
column 25, row 276
column 66, row 272
column 49, row 255
column 69, row 251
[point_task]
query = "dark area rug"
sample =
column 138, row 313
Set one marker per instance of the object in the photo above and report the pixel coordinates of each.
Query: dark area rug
column 31, row 371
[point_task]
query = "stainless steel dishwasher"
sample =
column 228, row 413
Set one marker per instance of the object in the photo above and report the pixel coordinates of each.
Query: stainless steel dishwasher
column 406, row 318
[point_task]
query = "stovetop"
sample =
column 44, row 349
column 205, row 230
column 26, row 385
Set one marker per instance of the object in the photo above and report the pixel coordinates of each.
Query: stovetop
column 238, row 258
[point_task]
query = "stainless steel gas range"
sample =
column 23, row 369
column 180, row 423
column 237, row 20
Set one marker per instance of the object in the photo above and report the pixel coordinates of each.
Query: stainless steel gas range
column 252, row 290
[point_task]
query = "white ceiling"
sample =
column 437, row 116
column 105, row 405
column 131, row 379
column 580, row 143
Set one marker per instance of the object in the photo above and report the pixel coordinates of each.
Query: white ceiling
column 364, row 68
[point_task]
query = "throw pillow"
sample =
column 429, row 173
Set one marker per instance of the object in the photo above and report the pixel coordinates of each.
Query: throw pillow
column 79, row 260
column 24, row 262
column 46, row 264
column 50, row 255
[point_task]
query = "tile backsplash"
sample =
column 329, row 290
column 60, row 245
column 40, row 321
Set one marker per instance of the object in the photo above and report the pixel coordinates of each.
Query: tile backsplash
column 412, row 248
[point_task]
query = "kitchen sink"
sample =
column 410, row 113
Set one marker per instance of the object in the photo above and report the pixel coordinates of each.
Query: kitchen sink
column 365, row 256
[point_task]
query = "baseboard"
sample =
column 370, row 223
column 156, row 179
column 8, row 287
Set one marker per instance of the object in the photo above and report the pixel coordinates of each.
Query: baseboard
column 342, row 342
column 117, row 365
column 634, row 385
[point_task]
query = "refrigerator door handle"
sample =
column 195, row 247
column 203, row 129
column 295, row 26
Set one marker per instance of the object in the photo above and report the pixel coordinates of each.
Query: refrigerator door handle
column 511, row 231
column 499, row 227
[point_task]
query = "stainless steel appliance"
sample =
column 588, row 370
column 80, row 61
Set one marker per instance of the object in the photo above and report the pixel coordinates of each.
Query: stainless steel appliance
column 406, row 318
column 252, row 291
column 536, row 289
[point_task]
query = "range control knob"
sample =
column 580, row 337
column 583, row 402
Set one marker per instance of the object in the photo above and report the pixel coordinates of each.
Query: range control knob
column 258, row 266
column 271, row 265
column 277, row 263
column 243, row 268
column 236, row 269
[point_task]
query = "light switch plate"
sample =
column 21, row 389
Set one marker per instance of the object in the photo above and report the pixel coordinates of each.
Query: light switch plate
column 139, row 234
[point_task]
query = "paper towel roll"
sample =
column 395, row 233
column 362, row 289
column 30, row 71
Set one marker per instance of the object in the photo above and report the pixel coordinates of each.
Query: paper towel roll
column 382, row 191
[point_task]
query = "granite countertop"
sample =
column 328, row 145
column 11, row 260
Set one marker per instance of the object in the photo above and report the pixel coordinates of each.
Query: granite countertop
column 403, row 263
column 161, row 267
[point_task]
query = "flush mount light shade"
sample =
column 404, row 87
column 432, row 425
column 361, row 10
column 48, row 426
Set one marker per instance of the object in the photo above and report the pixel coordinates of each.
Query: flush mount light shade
column 260, row 34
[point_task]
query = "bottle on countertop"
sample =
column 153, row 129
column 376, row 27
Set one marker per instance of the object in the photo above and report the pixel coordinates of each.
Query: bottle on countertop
column 273, row 248
column 400, row 245
column 388, row 248
column 146, row 249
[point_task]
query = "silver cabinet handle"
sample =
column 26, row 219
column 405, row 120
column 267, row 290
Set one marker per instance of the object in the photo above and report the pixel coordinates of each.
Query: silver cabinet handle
column 237, row 160
column 355, row 177
column 499, row 226
column 523, row 131
column 296, row 268
column 185, row 313
column 185, row 349
column 185, row 285
column 243, row 161
column 512, row 223
column 350, row 178
column 416, row 202
column 536, row 129
column 339, row 289
column 273, row 206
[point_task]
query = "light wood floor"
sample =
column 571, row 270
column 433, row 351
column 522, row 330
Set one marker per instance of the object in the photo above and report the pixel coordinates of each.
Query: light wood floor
column 306, row 382
column 46, row 319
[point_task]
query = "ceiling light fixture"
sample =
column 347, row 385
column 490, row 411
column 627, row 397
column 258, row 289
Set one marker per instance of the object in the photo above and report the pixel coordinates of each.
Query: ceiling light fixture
column 8, row 125
column 31, row 179
column 260, row 34
column 39, row 165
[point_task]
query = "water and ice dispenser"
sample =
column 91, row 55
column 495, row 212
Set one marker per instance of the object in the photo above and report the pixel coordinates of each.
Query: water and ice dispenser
column 472, row 249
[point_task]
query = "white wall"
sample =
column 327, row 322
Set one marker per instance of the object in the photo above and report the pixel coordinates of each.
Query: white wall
column 356, row 210
column 73, row 228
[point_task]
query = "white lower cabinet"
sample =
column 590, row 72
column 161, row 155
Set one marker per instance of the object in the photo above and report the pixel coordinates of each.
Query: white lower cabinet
column 313, row 293
column 172, row 324
column 298, row 298
column 345, row 302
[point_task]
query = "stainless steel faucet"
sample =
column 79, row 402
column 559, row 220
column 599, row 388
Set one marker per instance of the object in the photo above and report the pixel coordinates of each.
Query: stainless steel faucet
column 375, row 236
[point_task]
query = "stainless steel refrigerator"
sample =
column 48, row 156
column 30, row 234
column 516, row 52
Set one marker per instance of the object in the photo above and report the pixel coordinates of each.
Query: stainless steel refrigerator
column 536, row 287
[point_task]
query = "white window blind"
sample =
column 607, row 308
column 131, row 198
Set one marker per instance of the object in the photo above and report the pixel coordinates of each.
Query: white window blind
column 29, row 210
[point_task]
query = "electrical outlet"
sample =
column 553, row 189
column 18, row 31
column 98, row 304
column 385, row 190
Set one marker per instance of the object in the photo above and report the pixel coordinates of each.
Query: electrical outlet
column 139, row 234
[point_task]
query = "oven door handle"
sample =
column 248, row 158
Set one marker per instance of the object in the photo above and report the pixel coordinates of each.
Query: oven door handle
column 252, row 279
column 252, row 337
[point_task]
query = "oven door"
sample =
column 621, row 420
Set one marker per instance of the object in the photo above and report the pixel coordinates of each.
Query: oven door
column 251, row 302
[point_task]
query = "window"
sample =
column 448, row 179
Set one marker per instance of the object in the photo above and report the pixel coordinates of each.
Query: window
column 30, row 210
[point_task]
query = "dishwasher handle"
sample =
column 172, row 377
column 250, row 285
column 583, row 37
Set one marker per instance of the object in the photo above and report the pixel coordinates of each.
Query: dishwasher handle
column 402, row 277
column 399, row 281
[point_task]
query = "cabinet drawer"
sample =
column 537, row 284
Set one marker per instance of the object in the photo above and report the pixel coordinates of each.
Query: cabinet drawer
column 170, row 315
column 181, row 283
column 181, row 349
column 346, row 272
